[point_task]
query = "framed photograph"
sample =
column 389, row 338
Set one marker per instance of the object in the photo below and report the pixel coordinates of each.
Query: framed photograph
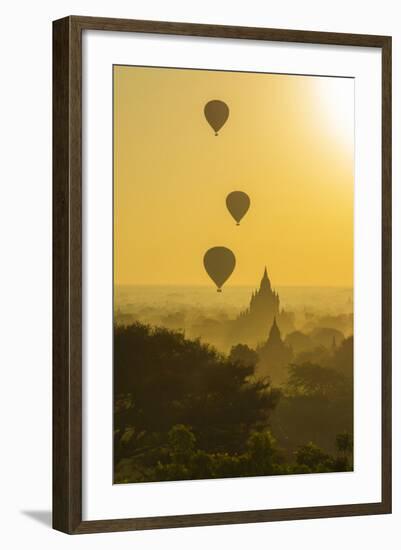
column 222, row 274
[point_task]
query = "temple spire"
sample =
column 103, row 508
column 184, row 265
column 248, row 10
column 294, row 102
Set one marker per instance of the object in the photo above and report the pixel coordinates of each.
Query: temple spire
column 265, row 282
column 274, row 331
column 265, row 273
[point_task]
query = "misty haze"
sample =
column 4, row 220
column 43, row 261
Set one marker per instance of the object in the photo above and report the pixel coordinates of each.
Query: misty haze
column 233, row 273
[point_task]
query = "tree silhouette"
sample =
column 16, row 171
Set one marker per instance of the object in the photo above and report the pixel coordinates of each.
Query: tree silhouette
column 344, row 443
column 184, row 411
column 310, row 379
column 161, row 379
column 243, row 354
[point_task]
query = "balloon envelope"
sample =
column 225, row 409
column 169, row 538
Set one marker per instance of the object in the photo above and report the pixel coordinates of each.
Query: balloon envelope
column 238, row 204
column 219, row 263
column 216, row 113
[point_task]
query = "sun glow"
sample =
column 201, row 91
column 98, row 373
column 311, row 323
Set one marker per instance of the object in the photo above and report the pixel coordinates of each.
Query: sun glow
column 287, row 143
column 335, row 99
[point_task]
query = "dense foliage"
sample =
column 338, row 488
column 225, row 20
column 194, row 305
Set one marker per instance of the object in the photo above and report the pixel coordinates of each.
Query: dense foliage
column 185, row 411
column 317, row 400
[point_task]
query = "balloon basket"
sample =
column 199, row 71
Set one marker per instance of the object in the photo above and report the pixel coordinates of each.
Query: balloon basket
column 219, row 290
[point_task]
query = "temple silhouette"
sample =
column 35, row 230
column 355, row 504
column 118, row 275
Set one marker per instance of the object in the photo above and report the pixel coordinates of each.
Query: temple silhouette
column 253, row 324
column 274, row 356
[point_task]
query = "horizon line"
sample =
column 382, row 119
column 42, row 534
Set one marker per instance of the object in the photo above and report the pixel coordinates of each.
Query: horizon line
column 234, row 286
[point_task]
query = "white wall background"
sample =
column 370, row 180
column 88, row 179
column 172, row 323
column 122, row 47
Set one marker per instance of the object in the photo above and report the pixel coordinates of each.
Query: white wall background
column 25, row 272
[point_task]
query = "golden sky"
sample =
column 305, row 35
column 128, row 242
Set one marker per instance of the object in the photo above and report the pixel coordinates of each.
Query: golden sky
column 288, row 143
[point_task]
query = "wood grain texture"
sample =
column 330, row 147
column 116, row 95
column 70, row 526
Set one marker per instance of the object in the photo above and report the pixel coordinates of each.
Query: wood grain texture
column 67, row 274
column 386, row 273
column 67, row 277
column 220, row 31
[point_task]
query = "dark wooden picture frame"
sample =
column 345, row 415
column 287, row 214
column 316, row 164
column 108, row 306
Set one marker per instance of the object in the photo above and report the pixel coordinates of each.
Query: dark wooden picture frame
column 67, row 274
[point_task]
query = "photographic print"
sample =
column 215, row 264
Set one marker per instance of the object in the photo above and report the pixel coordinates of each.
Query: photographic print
column 233, row 274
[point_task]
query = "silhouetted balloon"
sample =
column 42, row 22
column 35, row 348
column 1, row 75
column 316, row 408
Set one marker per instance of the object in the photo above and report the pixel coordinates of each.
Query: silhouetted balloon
column 216, row 113
column 238, row 204
column 219, row 263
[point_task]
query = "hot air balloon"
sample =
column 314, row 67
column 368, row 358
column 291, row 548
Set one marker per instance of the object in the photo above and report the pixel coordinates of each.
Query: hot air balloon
column 216, row 113
column 238, row 204
column 219, row 263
